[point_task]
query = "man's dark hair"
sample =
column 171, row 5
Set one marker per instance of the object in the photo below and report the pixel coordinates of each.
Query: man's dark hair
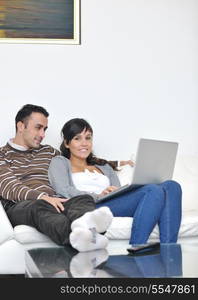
column 25, row 112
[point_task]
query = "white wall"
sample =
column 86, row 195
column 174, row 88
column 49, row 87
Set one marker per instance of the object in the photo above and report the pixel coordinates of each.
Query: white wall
column 134, row 75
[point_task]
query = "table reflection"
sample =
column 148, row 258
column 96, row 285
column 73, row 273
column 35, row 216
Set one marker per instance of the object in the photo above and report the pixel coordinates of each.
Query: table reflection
column 66, row 262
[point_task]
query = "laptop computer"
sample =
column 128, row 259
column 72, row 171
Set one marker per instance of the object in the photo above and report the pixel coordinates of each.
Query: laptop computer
column 155, row 162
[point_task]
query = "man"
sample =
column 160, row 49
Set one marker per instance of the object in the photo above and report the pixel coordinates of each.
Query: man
column 28, row 197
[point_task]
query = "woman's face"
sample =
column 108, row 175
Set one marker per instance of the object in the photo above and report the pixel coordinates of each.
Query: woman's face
column 81, row 145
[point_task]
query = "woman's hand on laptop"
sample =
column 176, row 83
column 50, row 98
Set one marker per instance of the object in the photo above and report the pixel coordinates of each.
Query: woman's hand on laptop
column 108, row 190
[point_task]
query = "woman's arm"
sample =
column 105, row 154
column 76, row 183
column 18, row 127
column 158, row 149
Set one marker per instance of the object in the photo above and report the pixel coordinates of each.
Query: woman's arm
column 111, row 174
column 60, row 178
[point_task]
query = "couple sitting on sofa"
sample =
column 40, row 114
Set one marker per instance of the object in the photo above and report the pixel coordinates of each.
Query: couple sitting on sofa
column 59, row 193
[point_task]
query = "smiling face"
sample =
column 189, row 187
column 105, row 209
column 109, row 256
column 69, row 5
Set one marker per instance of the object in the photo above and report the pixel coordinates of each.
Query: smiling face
column 81, row 145
column 31, row 131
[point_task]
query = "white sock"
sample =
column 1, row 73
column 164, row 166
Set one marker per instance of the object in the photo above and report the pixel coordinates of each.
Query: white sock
column 83, row 239
column 99, row 218
column 84, row 264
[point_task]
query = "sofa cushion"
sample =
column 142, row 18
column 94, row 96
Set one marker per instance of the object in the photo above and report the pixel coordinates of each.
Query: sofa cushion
column 120, row 227
column 186, row 173
column 125, row 174
column 6, row 232
column 12, row 258
column 26, row 234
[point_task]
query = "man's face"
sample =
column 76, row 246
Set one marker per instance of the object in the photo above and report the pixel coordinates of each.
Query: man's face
column 33, row 130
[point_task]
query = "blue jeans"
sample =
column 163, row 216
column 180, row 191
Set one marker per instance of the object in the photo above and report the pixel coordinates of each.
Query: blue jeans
column 150, row 205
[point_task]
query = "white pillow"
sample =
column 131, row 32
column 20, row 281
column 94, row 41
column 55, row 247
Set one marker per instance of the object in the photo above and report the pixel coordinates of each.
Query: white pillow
column 120, row 227
column 26, row 234
column 125, row 174
column 6, row 231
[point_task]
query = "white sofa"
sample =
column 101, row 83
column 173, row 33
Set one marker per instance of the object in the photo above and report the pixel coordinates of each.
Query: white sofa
column 14, row 241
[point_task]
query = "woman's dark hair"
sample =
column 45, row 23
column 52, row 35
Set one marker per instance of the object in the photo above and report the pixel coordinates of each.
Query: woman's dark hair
column 70, row 130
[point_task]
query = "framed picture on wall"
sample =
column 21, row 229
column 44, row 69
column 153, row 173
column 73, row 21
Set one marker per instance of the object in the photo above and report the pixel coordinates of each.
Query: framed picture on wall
column 40, row 21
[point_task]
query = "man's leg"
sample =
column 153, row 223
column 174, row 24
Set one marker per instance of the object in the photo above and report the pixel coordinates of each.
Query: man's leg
column 100, row 219
column 45, row 218
column 86, row 224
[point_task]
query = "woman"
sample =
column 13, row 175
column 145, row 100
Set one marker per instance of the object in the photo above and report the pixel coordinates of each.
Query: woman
column 77, row 171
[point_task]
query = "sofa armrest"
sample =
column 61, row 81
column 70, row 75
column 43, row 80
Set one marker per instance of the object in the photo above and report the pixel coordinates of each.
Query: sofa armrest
column 6, row 232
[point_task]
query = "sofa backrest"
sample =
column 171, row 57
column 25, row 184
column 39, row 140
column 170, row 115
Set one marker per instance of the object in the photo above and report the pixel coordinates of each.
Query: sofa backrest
column 185, row 173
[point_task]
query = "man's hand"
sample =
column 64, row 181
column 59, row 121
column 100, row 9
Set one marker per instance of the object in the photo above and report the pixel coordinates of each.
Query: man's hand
column 54, row 201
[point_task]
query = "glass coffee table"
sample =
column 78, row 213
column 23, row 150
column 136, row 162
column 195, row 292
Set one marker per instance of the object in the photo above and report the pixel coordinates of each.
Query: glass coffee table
column 169, row 260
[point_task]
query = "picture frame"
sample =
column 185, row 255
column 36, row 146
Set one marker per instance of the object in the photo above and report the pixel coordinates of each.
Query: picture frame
column 40, row 22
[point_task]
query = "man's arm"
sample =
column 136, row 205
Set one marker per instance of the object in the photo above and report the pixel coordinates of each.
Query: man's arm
column 11, row 188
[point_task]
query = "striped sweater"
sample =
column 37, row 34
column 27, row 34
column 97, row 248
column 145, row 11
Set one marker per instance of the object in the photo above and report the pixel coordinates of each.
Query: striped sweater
column 24, row 174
